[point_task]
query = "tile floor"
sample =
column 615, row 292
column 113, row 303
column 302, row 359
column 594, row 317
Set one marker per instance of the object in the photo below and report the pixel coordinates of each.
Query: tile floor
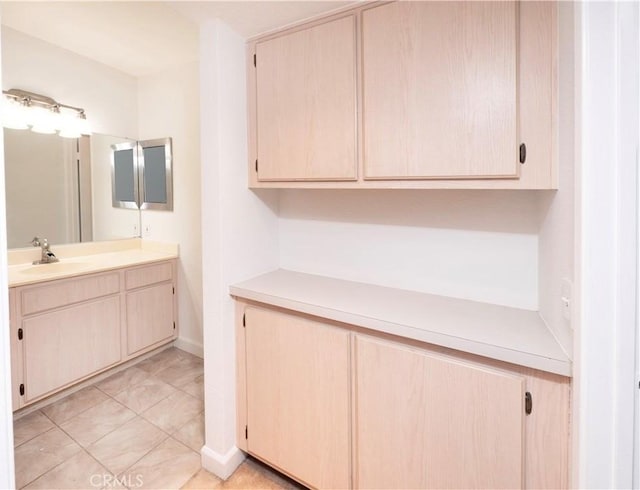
column 140, row 428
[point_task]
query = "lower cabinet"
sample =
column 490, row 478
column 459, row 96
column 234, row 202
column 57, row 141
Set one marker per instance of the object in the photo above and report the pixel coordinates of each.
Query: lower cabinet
column 151, row 311
column 67, row 330
column 298, row 416
column 425, row 421
column 335, row 406
column 69, row 344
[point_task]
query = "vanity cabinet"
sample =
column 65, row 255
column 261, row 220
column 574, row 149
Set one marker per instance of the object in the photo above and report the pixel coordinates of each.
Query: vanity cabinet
column 338, row 406
column 408, row 95
column 71, row 343
column 306, row 103
column 64, row 331
column 150, row 306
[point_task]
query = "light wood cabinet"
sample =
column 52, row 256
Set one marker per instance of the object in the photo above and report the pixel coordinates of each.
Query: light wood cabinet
column 426, row 421
column 439, row 91
column 439, row 95
column 298, row 413
column 67, row 330
column 337, row 406
column 69, row 344
column 306, row 104
column 151, row 311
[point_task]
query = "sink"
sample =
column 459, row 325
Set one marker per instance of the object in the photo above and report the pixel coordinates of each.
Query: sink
column 55, row 268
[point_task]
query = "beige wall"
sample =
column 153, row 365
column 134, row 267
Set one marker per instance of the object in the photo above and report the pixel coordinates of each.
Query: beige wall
column 168, row 105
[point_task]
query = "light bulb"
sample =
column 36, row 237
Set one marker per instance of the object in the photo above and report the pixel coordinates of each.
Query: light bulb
column 69, row 127
column 14, row 114
column 44, row 120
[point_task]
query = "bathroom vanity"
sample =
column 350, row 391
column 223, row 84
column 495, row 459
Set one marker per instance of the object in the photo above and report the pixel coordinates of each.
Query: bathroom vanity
column 103, row 304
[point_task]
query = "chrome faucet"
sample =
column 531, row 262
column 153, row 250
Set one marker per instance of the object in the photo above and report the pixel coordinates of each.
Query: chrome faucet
column 47, row 256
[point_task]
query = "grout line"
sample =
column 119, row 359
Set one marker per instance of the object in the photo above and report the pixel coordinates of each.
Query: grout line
column 61, row 462
column 169, row 435
column 144, row 455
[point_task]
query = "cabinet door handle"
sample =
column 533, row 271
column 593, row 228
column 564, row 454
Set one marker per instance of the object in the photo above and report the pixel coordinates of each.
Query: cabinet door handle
column 528, row 403
column 523, row 153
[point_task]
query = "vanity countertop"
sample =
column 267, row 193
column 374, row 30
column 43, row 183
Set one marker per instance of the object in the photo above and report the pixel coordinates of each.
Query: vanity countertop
column 85, row 258
column 498, row 332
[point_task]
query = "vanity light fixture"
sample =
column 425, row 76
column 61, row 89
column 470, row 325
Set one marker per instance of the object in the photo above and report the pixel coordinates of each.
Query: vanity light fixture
column 42, row 114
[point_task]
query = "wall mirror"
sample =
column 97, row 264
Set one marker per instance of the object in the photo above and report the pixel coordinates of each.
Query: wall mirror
column 60, row 189
column 141, row 175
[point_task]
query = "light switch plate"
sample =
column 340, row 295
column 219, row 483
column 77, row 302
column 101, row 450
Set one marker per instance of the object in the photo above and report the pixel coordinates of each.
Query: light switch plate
column 566, row 300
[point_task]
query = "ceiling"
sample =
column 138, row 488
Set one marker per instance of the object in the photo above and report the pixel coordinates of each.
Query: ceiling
column 141, row 38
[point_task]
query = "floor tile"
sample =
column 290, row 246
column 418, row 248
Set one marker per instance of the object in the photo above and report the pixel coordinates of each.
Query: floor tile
column 30, row 426
column 203, row 480
column 98, row 421
column 161, row 361
column 74, row 404
column 126, row 445
column 122, row 380
column 39, row 455
column 168, row 466
column 146, row 394
column 195, row 387
column 80, row 471
column 174, row 411
column 182, row 374
column 254, row 475
column 192, row 433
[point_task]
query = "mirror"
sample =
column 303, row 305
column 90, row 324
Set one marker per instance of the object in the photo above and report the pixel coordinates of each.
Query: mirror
column 141, row 175
column 157, row 184
column 60, row 189
column 124, row 175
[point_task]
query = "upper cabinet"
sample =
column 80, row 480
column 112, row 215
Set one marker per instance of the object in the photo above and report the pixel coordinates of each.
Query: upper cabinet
column 306, row 104
column 439, row 91
column 408, row 95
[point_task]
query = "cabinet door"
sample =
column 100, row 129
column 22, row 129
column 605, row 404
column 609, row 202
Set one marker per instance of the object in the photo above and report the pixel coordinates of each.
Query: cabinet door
column 149, row 316
column 306, row 104
column 439, row 96
column 430, row 422
column 297, row 380
column 67, row 345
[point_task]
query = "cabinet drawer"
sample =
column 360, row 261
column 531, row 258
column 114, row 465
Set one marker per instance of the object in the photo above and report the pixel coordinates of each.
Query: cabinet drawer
column 152, row 274
column 64, row 293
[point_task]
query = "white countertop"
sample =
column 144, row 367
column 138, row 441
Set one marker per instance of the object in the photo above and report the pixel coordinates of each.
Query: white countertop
column 498, row 332
column 85, row 258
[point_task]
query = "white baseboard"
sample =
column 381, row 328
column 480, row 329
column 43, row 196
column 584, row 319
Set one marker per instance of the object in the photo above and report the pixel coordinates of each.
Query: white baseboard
column 189, row 346
column 221, row 465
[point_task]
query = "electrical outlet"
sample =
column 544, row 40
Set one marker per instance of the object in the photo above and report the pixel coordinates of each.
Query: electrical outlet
column 147, row 230
column 566, row 300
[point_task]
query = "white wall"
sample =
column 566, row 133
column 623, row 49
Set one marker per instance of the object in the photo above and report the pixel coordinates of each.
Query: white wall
column 168, row 105
column 7, row 477
column 608, row 126
column 476, row 245
column 40, row 188
column 108, row 96
column 239, row 230
column 557, row 244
